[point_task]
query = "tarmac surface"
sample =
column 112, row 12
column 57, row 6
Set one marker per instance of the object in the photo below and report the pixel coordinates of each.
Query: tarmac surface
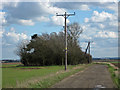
column 95, row 76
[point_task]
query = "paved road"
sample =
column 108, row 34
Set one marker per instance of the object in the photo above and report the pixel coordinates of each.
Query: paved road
column 95, row 76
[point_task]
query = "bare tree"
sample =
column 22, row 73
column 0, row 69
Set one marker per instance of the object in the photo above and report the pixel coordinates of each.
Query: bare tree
column 74, row 30
column 20, row 51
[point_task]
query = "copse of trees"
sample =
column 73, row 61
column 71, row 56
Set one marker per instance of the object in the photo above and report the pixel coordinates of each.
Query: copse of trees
column 48, row 49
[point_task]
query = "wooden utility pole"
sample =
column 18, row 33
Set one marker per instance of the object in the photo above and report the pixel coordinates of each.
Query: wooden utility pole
column 65, row 16
column 88, row 48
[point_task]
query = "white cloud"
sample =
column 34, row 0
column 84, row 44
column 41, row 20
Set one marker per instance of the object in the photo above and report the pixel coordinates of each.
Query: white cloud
column 16, row 37
column 108, row 5
column 26, row 22
column 104, row 4
column 27, row 13
column 58, row 20
column 71, row 5
column 2, row 18
column 102, row 20
column 84, row 7
column 113, row 23
column 102, row 27
column 101, row 17
column 89, row 30
column 106, row 34
column 85, row 37
column 113, row 7
column 11, row 37
column 43, row 19
column 83, row 45
column 53, row 10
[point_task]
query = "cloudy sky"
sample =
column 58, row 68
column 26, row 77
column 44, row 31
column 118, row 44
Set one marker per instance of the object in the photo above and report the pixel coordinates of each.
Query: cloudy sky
column 99, row 20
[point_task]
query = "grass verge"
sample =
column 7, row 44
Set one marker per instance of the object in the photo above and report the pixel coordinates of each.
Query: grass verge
column 115, row 78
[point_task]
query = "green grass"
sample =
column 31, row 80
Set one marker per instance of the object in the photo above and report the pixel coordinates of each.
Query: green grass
column 33, row 78
column 116, row 79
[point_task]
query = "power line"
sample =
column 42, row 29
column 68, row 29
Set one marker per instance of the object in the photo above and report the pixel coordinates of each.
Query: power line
column 65, row 16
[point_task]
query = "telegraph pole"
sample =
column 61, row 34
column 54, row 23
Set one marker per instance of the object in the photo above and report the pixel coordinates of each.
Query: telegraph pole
column 88, row 48
column 65, row 16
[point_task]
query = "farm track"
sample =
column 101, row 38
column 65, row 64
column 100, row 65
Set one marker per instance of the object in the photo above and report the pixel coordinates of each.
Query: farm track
column 95, row 76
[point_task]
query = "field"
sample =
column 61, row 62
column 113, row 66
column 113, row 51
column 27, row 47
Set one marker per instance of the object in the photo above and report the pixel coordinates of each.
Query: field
column 117, row 64
column 14, row 75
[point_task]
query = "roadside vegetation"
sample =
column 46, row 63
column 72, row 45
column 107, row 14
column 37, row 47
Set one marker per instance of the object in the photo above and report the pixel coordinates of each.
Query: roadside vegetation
column 18, row 76
column 115, row 75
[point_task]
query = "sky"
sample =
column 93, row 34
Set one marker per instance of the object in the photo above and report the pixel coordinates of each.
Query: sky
column 99, row 21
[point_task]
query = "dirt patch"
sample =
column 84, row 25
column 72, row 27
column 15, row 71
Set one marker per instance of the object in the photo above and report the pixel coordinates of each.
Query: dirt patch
column 9, row 67
column 12, row 63
column 31, row 68
column 116, row 64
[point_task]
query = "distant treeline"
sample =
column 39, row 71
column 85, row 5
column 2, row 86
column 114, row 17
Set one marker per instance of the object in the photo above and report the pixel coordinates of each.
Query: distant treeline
column 106, row 58
column 7, row 61
column 49, row 49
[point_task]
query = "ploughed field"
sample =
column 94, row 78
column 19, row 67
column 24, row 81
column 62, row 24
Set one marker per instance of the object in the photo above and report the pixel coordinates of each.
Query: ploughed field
column 117, row 64
column 15, row 75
